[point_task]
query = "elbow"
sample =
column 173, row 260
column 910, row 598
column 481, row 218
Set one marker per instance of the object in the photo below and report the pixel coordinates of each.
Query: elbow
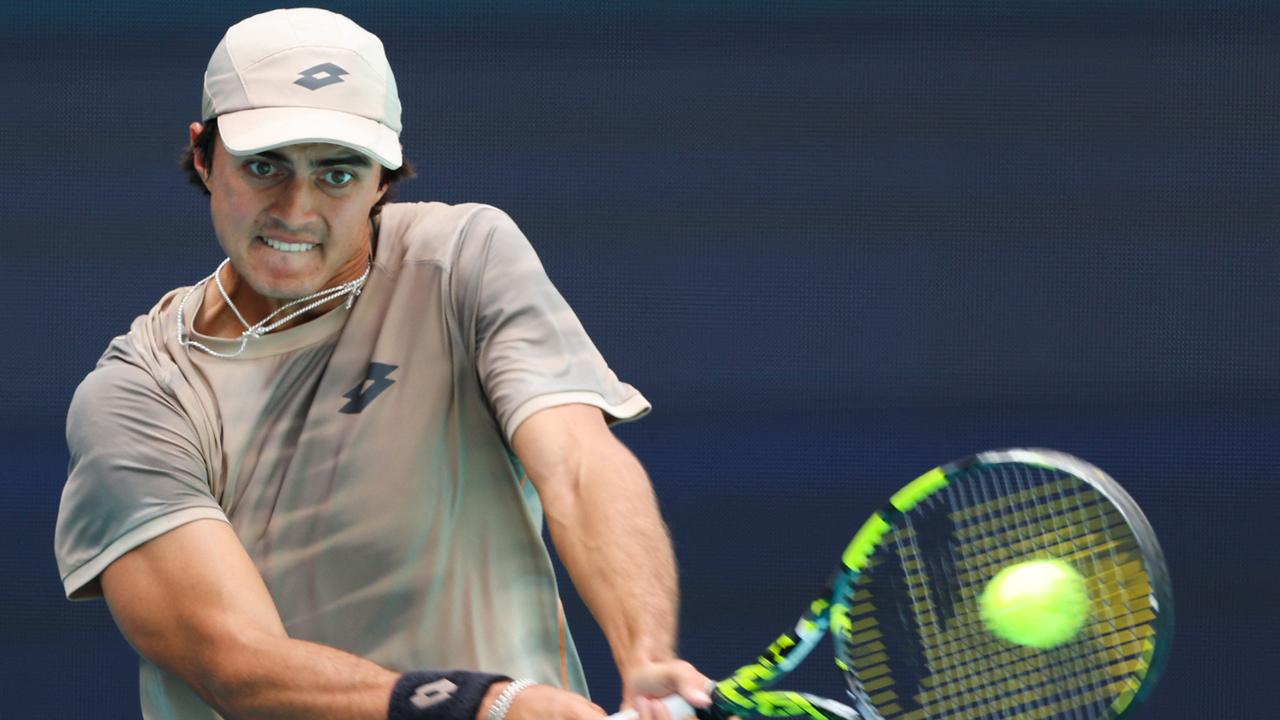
column 229, row 673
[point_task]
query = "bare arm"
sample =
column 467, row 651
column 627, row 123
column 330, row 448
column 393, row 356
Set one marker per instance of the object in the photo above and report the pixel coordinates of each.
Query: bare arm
column 213, row 623
column 606, row 527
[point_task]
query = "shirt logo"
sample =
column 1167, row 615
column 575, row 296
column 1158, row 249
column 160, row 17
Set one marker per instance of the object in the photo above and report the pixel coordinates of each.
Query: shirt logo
column 361, row 395
column 322, row 75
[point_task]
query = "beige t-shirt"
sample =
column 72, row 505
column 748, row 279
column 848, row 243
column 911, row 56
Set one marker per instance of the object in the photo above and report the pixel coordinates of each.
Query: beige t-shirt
column 362, row 458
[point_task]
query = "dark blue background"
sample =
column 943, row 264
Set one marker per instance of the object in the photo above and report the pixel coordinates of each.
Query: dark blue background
column 835, row 243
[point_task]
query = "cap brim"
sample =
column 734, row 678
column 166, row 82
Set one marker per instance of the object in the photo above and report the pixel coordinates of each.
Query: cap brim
column 252, row 131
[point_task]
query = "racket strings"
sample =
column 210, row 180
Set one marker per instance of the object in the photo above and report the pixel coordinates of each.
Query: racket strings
column 953, row 667
column 1042, row 509
column 1041, row 703
column 1115, row 568
column 1057, row 689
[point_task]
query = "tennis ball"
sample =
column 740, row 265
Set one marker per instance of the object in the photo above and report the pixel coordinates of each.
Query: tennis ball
column 1039, row 603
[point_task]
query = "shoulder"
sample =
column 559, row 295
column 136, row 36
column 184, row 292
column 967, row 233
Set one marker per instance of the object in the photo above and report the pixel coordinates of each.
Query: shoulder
column 136, row 376
column 114, row 390
column 437, row 232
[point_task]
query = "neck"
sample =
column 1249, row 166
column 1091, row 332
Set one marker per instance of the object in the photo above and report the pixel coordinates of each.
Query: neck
column 229, row 303
column 226, row 315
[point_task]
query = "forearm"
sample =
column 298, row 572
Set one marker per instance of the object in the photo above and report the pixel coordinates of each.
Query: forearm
column 282, row 678
column 608, row 532
column 214, row 625
column 606, row 527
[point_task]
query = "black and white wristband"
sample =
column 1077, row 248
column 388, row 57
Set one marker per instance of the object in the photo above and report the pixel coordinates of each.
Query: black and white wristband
column 433, row 695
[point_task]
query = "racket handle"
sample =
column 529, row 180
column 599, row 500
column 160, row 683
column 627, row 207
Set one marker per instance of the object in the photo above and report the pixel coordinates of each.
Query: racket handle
column 679, row 709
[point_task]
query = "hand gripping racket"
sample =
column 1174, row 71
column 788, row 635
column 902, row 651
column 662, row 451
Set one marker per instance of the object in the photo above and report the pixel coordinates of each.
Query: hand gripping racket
column 903, row 611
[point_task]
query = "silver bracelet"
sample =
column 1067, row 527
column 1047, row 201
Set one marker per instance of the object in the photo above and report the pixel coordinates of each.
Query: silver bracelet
column 498, row 711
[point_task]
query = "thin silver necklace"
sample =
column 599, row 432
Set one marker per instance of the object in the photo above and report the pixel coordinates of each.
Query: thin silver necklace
column 351, row 289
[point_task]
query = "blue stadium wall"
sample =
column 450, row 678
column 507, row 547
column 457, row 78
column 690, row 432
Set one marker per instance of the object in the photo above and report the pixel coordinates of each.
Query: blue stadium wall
column 835, row 244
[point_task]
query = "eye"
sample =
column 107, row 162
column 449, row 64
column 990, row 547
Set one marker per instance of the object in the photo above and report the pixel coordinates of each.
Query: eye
column 259, row 168
column 339, row 178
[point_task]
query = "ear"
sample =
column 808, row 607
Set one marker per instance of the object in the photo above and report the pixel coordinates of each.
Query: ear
column 198, row 159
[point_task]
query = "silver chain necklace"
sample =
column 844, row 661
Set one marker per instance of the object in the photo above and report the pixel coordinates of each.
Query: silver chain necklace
column 351, row 289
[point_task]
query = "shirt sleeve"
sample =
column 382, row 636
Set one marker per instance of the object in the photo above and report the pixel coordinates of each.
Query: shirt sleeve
column 530, row 349
column 135, row 474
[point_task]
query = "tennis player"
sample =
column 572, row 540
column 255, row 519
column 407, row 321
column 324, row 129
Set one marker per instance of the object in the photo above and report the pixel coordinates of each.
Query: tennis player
column 312, row 485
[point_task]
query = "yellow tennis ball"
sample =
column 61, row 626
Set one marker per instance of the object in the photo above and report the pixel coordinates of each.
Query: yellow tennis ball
column 1039, row 603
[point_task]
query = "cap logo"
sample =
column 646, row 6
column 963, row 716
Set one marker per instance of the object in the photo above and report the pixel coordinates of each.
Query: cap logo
column 322, row 75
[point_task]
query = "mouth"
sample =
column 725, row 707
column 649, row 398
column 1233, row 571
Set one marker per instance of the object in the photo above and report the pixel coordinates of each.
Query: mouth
column 288, row 247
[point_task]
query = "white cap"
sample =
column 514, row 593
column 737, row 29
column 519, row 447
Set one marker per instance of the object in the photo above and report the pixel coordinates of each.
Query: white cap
column 300, row 76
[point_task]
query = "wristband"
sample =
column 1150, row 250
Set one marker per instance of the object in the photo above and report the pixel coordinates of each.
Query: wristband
column 508, row 696
column 435, row 695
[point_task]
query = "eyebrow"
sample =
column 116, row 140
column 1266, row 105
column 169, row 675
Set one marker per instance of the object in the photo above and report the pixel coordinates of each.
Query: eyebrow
column 354, row 160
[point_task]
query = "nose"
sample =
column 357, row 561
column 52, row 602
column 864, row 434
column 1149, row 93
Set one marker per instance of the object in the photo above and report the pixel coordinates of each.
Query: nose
column 295, row 202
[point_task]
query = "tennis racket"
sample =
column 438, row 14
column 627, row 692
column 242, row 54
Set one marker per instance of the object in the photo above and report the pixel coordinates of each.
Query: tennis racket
column 903, row 612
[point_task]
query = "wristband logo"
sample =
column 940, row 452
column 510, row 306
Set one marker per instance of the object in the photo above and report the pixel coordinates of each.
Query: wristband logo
column 432, row 693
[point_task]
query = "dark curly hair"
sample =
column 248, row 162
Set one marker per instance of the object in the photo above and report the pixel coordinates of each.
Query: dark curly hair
column 208, row 138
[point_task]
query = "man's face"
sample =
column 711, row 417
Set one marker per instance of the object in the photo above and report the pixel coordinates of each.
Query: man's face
column 294, row 220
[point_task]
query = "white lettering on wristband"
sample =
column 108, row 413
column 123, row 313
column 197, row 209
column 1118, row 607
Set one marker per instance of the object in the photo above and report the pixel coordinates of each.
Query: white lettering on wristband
column 433, row 692
column 500, row 706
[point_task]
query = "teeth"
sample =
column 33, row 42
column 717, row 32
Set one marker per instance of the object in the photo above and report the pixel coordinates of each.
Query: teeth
column 287, row 247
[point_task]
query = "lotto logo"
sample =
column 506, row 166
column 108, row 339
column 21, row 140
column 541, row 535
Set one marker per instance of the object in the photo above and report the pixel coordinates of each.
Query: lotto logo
column 322, row 75
column 432, row 693
column 360, row 396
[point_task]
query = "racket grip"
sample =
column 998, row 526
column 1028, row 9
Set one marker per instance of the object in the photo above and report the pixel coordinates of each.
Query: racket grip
column 679, row 709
